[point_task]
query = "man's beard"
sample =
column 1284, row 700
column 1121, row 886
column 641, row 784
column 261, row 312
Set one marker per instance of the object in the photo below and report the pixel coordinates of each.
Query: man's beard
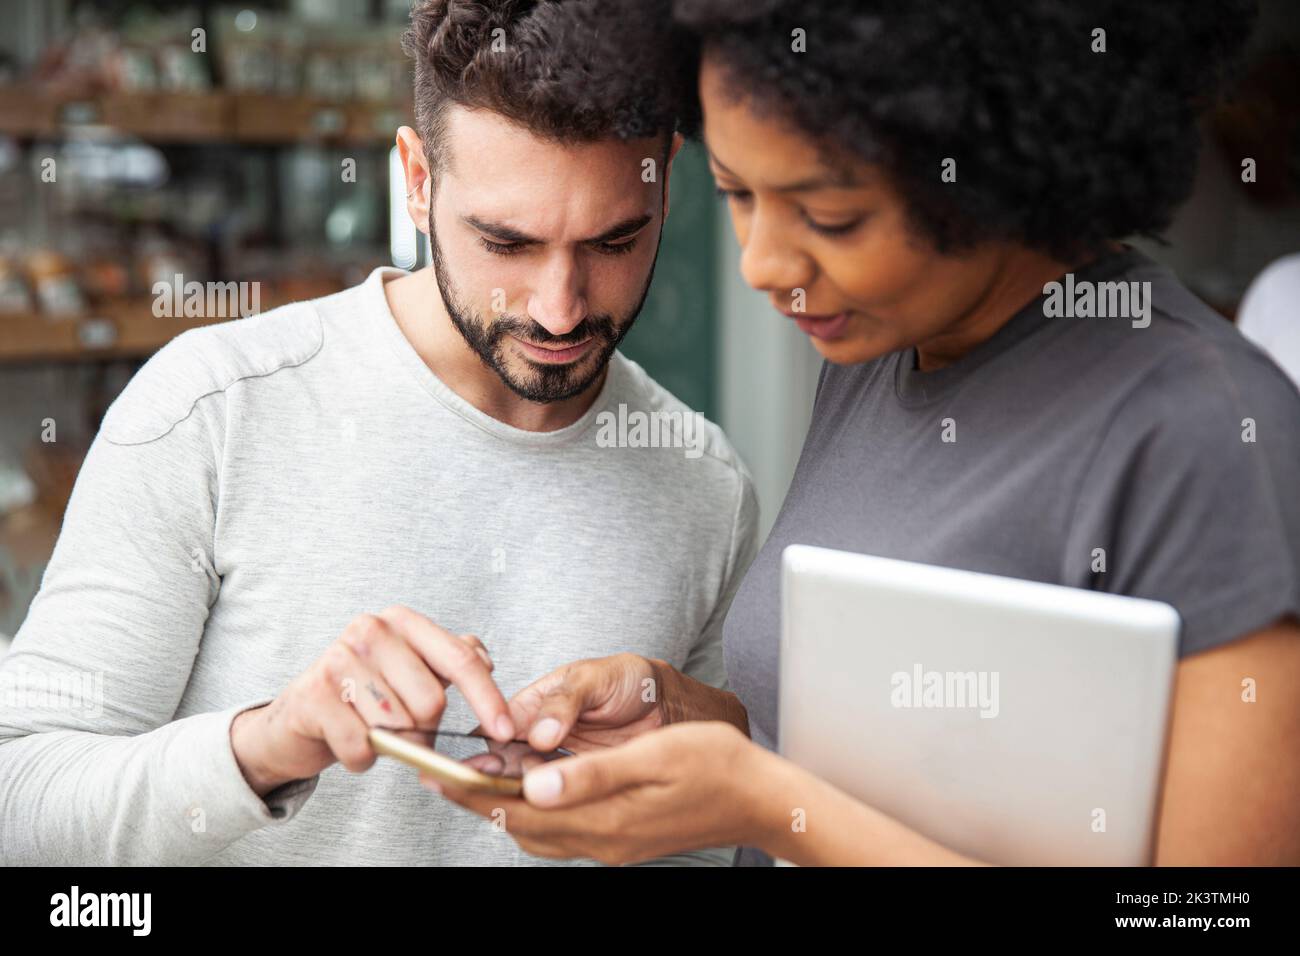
column 543, row 383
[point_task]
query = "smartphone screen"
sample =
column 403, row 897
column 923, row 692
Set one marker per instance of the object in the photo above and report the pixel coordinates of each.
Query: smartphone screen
column 512, row 759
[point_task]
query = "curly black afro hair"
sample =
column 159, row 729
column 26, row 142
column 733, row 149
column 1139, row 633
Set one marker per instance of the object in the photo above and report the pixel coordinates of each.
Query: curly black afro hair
column 1057, row 147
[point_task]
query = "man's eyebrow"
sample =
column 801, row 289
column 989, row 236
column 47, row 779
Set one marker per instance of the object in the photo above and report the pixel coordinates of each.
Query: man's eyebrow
column 498, row 231
column 620, row 230
column 831, row 179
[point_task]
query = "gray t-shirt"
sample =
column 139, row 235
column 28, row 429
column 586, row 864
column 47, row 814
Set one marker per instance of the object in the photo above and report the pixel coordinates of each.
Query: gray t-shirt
column 1174, row 447
column 261, row 482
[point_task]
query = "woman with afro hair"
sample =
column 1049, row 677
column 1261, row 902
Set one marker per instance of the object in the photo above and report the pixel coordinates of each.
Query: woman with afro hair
column 938, row 195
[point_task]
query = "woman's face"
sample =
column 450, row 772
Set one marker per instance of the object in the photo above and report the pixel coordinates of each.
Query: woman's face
column 869, row 286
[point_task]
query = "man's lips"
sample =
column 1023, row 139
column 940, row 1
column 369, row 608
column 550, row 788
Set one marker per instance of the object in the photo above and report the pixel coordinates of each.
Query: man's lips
column 820, row 326
column 555, row 356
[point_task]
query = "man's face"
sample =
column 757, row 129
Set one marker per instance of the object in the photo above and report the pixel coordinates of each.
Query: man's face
column 543, row 252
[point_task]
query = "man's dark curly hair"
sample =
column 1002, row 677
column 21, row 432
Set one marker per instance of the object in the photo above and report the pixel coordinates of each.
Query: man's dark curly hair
column 1057, row 147
column 566, row 70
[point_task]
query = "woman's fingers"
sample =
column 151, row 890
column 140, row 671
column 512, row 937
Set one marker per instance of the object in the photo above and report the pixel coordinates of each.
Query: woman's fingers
column 557, row 833
column 527, row 703
column 489, row 763
column 559, row 710
column 592, row 776
column 548, row 709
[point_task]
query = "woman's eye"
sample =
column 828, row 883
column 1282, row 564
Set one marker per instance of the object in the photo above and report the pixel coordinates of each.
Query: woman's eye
column 500, row 248
column 734, row 195
column 833, row 229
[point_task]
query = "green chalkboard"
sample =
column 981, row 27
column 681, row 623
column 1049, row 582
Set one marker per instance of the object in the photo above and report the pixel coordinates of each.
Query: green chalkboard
column 675, row 337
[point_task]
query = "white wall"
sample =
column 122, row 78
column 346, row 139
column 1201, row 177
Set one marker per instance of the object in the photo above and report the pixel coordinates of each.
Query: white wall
column 768, row 372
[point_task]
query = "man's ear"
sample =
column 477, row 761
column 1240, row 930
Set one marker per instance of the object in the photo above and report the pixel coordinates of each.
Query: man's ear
column 676, row 144
column 419, row 180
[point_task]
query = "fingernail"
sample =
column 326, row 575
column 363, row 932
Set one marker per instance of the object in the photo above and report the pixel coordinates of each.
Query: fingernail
column 547, row 732
column 432, row 785
column 543, row 785
column 487, row 660
column 505, row 727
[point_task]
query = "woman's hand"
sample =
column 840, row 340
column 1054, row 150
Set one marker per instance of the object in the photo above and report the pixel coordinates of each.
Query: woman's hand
column 606, row 701
column 590, row 704
column 684, row 787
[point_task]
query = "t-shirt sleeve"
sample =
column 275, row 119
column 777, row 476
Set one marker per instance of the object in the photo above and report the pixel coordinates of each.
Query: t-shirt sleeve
column 705, row 662
column 1192, row 497
column 94, row 769
column 821, row 380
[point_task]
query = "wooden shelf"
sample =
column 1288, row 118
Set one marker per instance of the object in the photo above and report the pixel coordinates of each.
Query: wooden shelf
column 27, row 112
column 127, row 329
column 280, row 119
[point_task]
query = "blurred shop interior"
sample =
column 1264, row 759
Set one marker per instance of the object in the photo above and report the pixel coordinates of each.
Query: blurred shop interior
column 141, row 139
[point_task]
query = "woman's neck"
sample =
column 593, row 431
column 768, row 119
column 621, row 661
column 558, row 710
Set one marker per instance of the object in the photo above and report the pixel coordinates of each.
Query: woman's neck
column 1017, row 280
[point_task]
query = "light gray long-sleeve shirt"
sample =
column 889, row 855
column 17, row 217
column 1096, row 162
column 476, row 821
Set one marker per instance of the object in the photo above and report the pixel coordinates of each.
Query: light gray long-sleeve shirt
column 261, row 482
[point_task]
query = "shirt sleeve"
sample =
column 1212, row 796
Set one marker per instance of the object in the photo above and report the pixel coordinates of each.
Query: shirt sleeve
column 705, row 661
column 1191, row 498
column 94, row 770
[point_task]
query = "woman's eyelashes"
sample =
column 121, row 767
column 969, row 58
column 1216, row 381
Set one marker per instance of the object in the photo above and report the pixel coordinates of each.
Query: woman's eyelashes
column 833, row 229
column 830, row 229
column 734, row 195
column 514, row 248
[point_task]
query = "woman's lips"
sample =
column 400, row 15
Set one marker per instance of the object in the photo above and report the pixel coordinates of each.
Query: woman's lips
column 822, row 326
column 549, row 356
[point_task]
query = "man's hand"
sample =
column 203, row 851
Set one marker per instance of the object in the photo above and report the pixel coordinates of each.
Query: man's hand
column 389, row 670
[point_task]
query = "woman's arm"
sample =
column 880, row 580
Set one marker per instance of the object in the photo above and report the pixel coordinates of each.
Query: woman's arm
column 807, row 821
column 1232, row 783
column 1231, row 790
column 684, row 698
column 1231, row 794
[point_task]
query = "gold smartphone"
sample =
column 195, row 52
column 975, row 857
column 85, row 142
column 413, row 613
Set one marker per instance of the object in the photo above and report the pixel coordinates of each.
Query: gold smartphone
column 469, row 761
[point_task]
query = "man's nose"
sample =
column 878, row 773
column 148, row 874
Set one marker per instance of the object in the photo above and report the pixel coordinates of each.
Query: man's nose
column 558, row 303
